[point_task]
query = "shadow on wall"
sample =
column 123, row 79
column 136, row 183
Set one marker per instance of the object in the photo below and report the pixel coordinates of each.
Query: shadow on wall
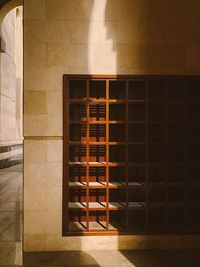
column 151, row 35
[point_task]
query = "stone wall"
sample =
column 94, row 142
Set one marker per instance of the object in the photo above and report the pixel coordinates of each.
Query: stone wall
column 90, row 37
column 11, row 88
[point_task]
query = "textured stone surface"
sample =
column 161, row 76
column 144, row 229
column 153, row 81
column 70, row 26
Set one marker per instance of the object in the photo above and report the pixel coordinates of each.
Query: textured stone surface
column 91, row 37
column 11, row 216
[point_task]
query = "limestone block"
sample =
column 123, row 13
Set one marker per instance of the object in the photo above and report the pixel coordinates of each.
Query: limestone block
column 41, row 31
column 78, row 55
column 35, row 102
column 34, row 55
column 54, row 151
column 69, row 10
column 44, row 199
column 103, row 55
column 57, row 10
column 162, row 10
column 35, row 151
column 34, row 31
column 151, row 33
column 57, row 54
column 43, row 78
column 121, row 10
column 34, row 9
column 48, row 174
column 42, row 223
column 79, row 31
column 103, row 32
column 147, row 57
column 47, row 121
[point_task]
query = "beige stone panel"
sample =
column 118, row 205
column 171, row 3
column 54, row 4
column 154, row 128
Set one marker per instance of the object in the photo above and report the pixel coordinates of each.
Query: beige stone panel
column 156, row 57
column 43, row 125
column 48, row 174
column 57, row 10
column 128, row 32
column 54, row 151
column 127, row 56
column 57, row 54
column 57, row 31
column 35, row 31
column 43, row 78
column 69, row 10
column 42, row 223
column 93, row 31
column 54, row 103
column 157, row 10
column 103, row 32
column 120, row 10
column 78, row 55
column 35, row 242
column 34, row 228
column 41, row 31
column 36, row 125
column 193, row 57
column 103, row 70
column 75, row 70
column 35, row 102
column 79, row 31
column 147, row 71
column 152, row 33
column 34, row 55
column 35, row 151
column 103, row 55
column 44, row 199
column 34, row 9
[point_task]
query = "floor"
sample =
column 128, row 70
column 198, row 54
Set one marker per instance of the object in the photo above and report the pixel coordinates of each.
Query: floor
column 11, row 215
column 162, row 258
column 11, row 236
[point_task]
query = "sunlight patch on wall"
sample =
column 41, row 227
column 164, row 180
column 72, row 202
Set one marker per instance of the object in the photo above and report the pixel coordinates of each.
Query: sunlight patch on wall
column 102, row 57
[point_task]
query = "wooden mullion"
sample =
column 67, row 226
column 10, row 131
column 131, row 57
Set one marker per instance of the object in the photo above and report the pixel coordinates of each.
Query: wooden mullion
column 146, row 156
column 185, row 163
column 87, row 156
column 166, row 144
column 107, row 154
column 126, row 156
column 65, row 155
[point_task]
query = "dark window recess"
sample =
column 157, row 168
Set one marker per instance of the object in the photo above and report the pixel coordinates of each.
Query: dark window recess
column 131, row 155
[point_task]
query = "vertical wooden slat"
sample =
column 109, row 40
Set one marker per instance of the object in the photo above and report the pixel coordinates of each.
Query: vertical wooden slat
column 87, row 155
column 126, row 157
column 146, row 156
column 107, row 154
column 65, row 196
column 166, row 155
column 185, row 162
